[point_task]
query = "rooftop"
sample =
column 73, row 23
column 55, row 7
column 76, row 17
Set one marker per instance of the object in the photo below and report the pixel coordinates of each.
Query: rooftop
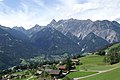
column 56, row 72
column 61, row 67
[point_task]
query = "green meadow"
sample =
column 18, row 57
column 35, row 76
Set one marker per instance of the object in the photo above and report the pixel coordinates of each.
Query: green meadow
column 110, row 75
column 94, row 63
column 79, row 74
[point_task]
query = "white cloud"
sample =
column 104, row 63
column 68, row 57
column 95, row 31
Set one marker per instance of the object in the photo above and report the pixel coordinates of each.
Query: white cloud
column 37, row 12
column 96, row 9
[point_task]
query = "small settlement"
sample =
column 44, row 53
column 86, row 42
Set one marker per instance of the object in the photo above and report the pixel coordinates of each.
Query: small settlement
column 45, row 72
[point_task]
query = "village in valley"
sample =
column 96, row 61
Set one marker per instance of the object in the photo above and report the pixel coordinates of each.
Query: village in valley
column 43, row 72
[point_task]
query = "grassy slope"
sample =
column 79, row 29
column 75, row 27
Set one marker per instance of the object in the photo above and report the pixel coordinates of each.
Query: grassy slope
column 79, row 74
column 93, row 62
column 93, row 59
column 110, row 75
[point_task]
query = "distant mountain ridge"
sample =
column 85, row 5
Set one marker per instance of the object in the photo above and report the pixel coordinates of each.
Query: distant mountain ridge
column 77, row 30
column 81, row 28
column 70, row 36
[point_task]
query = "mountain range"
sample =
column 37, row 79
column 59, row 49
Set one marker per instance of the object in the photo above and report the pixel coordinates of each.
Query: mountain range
column 69, row 36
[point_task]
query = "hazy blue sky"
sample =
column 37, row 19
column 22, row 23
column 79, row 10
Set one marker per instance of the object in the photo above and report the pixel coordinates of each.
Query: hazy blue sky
column 27, row 13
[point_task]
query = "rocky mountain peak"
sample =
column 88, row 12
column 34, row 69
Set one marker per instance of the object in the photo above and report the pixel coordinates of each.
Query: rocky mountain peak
column 19, row 28
column 53, row 21
column 37, row 25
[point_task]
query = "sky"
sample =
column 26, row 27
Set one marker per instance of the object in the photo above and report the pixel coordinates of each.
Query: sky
column 27, row 13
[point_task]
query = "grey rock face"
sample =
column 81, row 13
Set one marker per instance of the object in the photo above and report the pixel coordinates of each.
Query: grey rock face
column 105, row 29
column 78, row 30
